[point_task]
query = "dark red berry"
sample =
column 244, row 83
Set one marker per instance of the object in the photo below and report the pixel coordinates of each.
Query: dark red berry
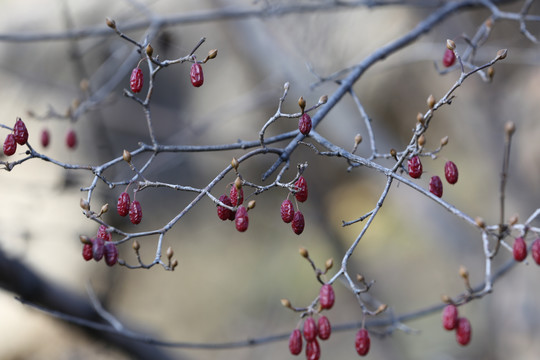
column 535, row 249
column 71, row 139
column 435, row 186
column 415, row 167
column 136, row 80
column 304, row 124
column 313, row 350
column 111, row 253
column 327, row 296
column 196, row 75
column 463, row 331
column 324, row 328
column 520, row 249
column 448, row 58
column 236, row 196
column 123, row 204
column 98, row 245
column 301, row 189
column 222, row 212
column 451, row 172
column 298, row 223
column 287, row 211
column 362, row 342
column 20, row 132
column 241, row 219
column 103, row 233
column 87, row 252
column 10, row 146
column 295, row 342
column 310, row 329
column 450, row 317
column 135, row 212
column 45, row 137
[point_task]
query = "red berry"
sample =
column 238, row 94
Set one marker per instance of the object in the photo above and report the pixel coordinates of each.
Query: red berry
column 313, row 350
column 45, row 137
column 301, row 189
column 123, row 204
column 535, row 249
column 71, row 139
column 287, row 211
column 222, row 212
column 136, row 80
column 236, row 196
column 135, row 212
column 324, row 328
column 448, row 58
column 415, row 167
column 10, row 146
column 196, row 75
column 362, row 342
column 520, row 249
column 463, row 331
column 98, row 245
column 295, row 342
column 20, row 132
column 87, row 253
column 310, row 329
column 327, row 296
column 304, row 124
column 241, row 219
column 298, row 223
column 451, row 172
column 103, row 233
column 450, row 317
column 435, row 186
column 111, row 253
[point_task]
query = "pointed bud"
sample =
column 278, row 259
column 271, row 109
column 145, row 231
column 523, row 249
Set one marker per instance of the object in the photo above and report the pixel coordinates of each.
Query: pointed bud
column 323, row 99
column 513, row 220
column 286, row 303
column 149, row 50
column 420, row 118
column 509, row 128
column 431, row 101
column 212, row 54
column 329, row 263
column 251, row 204
column 170, row 252
column 303, row 252
column 302, row 103
column 104, row 209
column 359, row 278
column 127, row 156
column 421, row 140
column 501, row 54
column 393, row 153
column 450, row 45
column 135, row 245
column 480, row 222
column 446, row 299
column 84, row 205
column 490, row 72
column 110, row 23
column 286, row 86
column 463, row 272
column 174, row 264
column 234, row 163
column 444, row 141
column 85, row 239
column 357, row 139
column 238, row 183
column 381, row 308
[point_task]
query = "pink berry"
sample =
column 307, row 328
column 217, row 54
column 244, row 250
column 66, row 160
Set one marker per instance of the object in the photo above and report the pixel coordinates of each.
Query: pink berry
column 313, row 350
column 301, row 189
column 295, row 342
column 327, row 296
column 287, row 211
column 304, row 124
column 298, row 223
column 450, row 317
column 448, row 58
column 71, row 139
column 135, row 212
column 520, row 249
column 123, row 204
column 136, row 80
column 463, row 331
column 241, row 219
column 20, row 132
column 87, row 253
column 535, row 249
column 362, row 342
column 111, row 253
column 103, row 233
column 236, row 196
column 310, row 329
column 10, row 146
column 98, row 245
column 415, row 167
column 324, row 328
column 223, row 212
column 45, row 138
column 451, row 172
column 435, row 186
column 196, row 75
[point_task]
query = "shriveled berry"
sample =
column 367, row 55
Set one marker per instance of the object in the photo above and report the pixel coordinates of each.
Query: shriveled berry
column 435, row 186
column 327, row 296
column 324, row 328
column 111, row 253
column 362, row 342
column 45, row 137
column 298, row 223
column 20, row 132
column 222, row 212
column 98, row 245
column 136, row 80
column 236, row 196
column 304, row 124
column 450, row 317
column 451, row 172
column 313, row 350
column 463, row 331
column 71, row 139
column 449, row 58
column 241, row 219
column 10, row 145
column 310, row 329
column 295, row 342
column 287, row 211
column 301, row 189
column 520, row 249
column 415, row 167
column 535, row 249
column 196, row 75
column 123, row 204
column 135, row 212
column 87, row 253
column 103, row 233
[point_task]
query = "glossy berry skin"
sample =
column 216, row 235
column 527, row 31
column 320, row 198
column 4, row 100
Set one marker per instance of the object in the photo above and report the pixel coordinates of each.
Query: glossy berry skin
column 535, row 250
column 20, row 132
column 103, row 233
column 362, row 342
column 313, row 350
column 222, row 212
column 297, row 223
column 71, row 139
column 87, row 253
column 295, row 342
column 415, row 167
column 327, row 296
column 98, row 247
column 301, row 189
column 236, row 196
column 123, row 204
column 435, row 186
column 324, row 328
column 136, row 80
column 110, row 253
column 135, row 212
column 310, row 329
column 10, row 145
column 451, row 172
column 196, row 75
column 304, row 124
column 45, row 138
column 241, row 219
column 287, row 211
column 450, row 317
column 520, row 249
column 463, row 331
column 449, row 58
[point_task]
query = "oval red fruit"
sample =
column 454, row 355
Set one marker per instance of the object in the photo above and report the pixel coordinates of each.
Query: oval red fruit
column 313, row 350
column 298, row 223
column 241, row 219
column 222, row 212
column 295, row 342
column 287, row 211
column 196, row 75
column 71, row 139
column 520, row 249
column 236, row 196
column 111, row 253
column 327, row 296
column 301, row 193
column 45, row 137
column 103, row 233
column 98, row 245
column 435, row 186
column 310, row 329
column 304, row 124
column 535, row 250
column 451, row 172
column 20, row 132
column 362, row 342
column 10, row 145
column 136, row 80
column 135, row 212
column 123, row 204
column 324, row 328
column 450, row 317
column 449, row 58
column 87, row 252
column 415, row 167
column 463, row 331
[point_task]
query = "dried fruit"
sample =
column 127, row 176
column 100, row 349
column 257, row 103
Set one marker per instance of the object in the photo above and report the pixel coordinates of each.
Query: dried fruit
column 87, row 253
column 451, row 172
column 10, row 146
column 313, row 350
column 123, row 204
column 45, row 137
column 362, row 342
column 463, row 331
column 287, row 211
column 449, row 58
column 301, row 189
column 304, row 124
column 295, row 342
column 520, row 249
column 435, row 186
column 136, row 80
column 241, row 219
column 135, row 212
column 535, row 249
column 236, row 196
column 20, row 132
column 324, row 328
column 415, row 167
column 98, row 245
column 111, row 253
column 196, row 75
column 103, row 233
column 298, row 223
column 71, row 139
column 450, row 317
column 310, row 329
column 327, row 296
column 222, row 212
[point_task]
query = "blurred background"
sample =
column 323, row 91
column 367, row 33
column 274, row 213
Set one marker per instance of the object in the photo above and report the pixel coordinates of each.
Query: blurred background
column 228, row 285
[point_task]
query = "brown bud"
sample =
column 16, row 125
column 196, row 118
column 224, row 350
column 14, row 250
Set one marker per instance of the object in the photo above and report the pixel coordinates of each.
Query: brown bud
column 238, row 183
column 450, row 45
column 393, row 153
column 463, row 272
column 127, row 156
column 323, row 99
column 381, row 308
column 85, row 239
column 174, row 264
column 357, row 139
column 302, row 103
column 329, row 263
column 286, row 303
column 420, row 118
column 251, row 204
column 104, row 209
column 359, row 278
column 135, row 245
column 501, row 54
column 489, row 23
column 84, row 205
column 110, row 23
column 509, row 128
column 149, row 50
column 234, row 163
column 446, row 299
column 513, row 220
column 444, row 141
column 421, row 140
column 84, row 85
column 212, row 54
column 303, row 252
column 490, row 72
column 431, row 101
column 480, row 222
column 170, row 252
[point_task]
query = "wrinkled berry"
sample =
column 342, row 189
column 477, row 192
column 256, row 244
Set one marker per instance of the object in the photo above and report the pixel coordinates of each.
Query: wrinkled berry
column 450, row 317
column 301, row 193
column 45, row 137
column 287, row 211
column 87, row 252
column 415, row 167
column 448, row 58
column 298, row 223
column 310, row 329
column 362, row 342
column 98, row 245
column 224, row 213
column 304, row 124
column 451, row 172
column 520, row 249
column 236, row 196
column 313, row 350
column 71, row 139
column 535, row 249
column 327, row 296
column 295, row 342
column 435, row 186
column 103, row 233
column 241, row 219
column 111, row 253
column 324, row 328
column 123, row 204
column 463, row 331
column 20, row 132
column 136, row 80
column 135, row 212
column 10, row 146
column 196, row 75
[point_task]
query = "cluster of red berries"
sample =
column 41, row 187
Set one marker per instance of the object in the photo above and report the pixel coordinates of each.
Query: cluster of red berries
column 435, row 184
column 452, row 321
column 101, row 247
column 18, row 136
column 235, row 199
column 124, row 206
column 288, row 215
column 520, row 249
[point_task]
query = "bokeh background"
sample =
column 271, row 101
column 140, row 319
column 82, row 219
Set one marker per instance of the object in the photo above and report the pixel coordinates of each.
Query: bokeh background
column 228, row 285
